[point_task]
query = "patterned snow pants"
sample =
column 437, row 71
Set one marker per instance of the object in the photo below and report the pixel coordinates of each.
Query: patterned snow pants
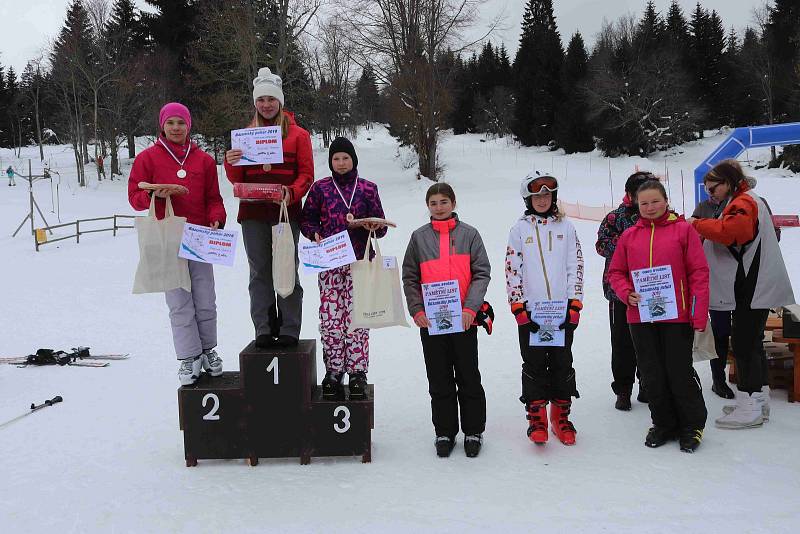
column 341, row 351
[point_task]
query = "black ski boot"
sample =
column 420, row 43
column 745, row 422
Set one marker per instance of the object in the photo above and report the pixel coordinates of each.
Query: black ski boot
column 358, row 385
column 623, row 402
column 657, row 436
column 720, row 386
column 332, row 387
column 472, row 445
column 444, row 446
column 690, row 439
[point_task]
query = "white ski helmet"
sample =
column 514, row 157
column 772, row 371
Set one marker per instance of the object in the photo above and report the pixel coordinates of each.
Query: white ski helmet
column 538, row 182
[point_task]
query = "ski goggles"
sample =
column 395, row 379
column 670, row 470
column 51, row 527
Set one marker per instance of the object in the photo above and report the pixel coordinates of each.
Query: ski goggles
column 542, row 185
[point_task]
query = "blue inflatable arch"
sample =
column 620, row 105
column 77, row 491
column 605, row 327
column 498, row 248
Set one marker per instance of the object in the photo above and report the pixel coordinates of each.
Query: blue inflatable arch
column 740, row 140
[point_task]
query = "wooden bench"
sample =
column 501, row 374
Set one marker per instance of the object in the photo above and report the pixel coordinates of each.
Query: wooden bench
column 794, row 346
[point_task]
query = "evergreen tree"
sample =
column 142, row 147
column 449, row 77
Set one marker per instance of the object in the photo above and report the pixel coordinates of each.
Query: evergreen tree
column 649, row 32
column 782, row 34
column 749, row 109
column 574, row 132
column 537, row 69
column 676, row 32
column 707, row 48
column 367, row 99
column 465, row 86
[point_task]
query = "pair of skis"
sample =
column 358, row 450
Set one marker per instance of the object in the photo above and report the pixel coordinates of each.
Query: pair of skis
column 77, row 357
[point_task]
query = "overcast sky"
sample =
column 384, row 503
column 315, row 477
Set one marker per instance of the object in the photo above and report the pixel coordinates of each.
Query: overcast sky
column 27, row 26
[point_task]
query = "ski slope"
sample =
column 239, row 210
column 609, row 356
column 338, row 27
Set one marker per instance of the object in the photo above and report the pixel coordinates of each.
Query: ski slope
column 110, row 457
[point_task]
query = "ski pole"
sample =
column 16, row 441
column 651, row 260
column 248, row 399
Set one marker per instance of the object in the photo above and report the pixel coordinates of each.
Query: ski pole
column 34, row 408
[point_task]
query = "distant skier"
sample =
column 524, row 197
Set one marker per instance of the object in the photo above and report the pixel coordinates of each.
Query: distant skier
column 10, row 173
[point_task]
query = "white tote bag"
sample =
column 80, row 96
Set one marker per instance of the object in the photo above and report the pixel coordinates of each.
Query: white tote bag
column 377, row 300
column 160, row 269
column 283, row 255
column 703, row 347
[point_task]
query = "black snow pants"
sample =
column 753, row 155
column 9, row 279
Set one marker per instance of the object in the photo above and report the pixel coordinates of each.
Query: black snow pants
column 451, row 362
column 623, row 354
column 748, row 348
column 547, row 372
column 664, row 352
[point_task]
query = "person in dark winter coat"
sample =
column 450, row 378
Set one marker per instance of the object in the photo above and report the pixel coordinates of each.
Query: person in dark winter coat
column 448, row 249
column 748, row 278
column 10, row 173
column 660, row 238
column 331, row 206
column 623, row 353
column 175, row 160
column 544, row 262
column 276, row 319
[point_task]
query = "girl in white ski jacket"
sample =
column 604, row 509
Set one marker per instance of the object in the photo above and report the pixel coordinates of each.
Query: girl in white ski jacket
column 544, row 262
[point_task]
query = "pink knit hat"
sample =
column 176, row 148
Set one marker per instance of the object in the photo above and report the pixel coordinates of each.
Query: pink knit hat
column 174, row 109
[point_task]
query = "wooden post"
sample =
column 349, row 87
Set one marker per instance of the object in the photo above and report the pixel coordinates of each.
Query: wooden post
column 78, row 231
column 30, row 196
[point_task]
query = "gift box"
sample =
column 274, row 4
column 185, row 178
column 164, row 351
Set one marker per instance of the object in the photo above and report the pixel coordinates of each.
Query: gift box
column 256, row 191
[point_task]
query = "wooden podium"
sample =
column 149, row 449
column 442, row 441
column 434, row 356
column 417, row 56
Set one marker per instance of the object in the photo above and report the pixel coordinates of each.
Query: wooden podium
column 272, row 408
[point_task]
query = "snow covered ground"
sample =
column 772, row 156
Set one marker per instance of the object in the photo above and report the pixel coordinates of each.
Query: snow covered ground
column 110, row 457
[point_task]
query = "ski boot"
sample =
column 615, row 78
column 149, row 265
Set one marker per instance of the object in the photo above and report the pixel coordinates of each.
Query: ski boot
column 657, row 436
column 358, row 385
column 563, row 428
column 472, row 445
column 332, row 387
column 444, row 446
column 537, row 421
column 690, row 439
column 212, row 363
column 190, row 369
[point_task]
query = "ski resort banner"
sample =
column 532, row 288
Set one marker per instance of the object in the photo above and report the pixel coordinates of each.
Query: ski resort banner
column 740, row 140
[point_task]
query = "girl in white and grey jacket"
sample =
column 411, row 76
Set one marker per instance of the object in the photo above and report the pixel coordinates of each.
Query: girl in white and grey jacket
column 544, row 261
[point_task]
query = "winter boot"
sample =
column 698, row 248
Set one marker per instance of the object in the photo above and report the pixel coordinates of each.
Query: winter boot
column 537, row 421
column 332, row 387
column 265, row 341
column 472, row 445
column 762, row 399
column 746, row 413
column 690, row 439
column 642, row 396
column 720, row 386
column 285, row 340
column 212, row 363
column 190, row 369
column 623, row 402
column 559, row 419
column 358, row 385
column 657, row 436
column 444, row 446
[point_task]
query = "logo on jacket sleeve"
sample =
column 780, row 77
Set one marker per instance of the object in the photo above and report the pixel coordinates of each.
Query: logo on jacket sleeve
column 529, row 241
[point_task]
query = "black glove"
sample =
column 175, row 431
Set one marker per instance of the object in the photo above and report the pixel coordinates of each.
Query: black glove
column 485, row 317
column 523, row 317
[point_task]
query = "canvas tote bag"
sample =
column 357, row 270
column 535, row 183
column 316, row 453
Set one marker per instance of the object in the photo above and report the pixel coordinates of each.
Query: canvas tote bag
column 283, row 255
column 160, row 269
column 703, row 347
column 377, row 300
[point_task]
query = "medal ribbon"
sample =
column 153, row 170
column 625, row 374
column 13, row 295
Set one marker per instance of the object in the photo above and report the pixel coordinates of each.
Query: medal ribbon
column 352, row 196
column 173, row 155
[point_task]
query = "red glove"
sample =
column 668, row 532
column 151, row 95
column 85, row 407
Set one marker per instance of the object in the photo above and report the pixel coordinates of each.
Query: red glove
column 574, row 307
column 523, row 316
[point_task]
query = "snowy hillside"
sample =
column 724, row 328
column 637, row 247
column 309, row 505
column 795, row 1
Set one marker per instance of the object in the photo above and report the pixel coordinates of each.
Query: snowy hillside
column 110, row 457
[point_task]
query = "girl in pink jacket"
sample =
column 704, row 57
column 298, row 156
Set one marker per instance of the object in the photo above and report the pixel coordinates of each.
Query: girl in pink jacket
column 660, row 271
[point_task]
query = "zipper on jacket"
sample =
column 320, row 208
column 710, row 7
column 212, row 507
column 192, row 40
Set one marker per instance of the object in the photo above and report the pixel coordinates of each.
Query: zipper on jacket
column 683, row 297
column 541, row 258
column 652, row 238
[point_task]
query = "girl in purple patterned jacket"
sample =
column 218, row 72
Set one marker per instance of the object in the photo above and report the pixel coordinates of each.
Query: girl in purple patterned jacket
column 331, row 205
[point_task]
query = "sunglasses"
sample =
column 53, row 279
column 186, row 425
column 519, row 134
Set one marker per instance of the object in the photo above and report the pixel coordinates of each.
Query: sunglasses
column 710, row 190
column 543, row 185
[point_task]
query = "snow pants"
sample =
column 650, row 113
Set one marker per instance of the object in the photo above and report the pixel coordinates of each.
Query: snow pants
column 721, row 327
column 547, row 372
column 623, row 353
column 673, row 387
column 748, row 348
column 271, row 313
column 341, row 351
column 454, row 381
column 193, row 314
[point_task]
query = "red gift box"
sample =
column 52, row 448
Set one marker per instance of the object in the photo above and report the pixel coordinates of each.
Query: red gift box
column 255, row 191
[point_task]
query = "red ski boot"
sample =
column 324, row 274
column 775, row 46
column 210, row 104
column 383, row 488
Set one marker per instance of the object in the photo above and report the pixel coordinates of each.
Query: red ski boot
column 559, row 417
column 537, row 421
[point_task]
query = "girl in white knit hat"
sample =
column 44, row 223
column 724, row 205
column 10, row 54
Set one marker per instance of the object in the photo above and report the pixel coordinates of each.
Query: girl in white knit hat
column 276, row 319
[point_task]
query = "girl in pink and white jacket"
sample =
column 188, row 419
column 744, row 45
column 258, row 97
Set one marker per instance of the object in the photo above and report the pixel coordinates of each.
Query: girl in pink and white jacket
column 664, row 347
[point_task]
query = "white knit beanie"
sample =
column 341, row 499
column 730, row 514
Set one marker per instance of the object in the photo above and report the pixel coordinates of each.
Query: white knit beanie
column 267, row 84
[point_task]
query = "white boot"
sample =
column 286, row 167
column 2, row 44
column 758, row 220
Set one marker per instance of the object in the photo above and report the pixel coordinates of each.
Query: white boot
column 746, row 414
column 212, row 363
column 189, row 370
column 762, row 399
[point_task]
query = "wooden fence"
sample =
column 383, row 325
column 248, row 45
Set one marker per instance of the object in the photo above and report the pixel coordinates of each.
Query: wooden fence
column 40, row 236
